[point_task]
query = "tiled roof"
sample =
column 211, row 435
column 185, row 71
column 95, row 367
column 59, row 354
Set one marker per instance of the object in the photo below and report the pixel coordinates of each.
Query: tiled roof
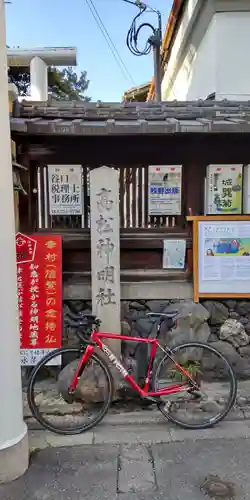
column 138, row 93
column 79, row 118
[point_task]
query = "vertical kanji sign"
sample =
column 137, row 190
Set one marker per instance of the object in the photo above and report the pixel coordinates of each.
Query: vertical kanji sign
column 39, row 282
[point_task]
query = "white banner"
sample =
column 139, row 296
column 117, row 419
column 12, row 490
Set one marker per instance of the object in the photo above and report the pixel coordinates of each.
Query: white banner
column 164, row 190
column 30, row 357
column 65, row 190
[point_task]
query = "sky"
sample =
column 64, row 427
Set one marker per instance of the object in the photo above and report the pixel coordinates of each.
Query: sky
column 61, row 23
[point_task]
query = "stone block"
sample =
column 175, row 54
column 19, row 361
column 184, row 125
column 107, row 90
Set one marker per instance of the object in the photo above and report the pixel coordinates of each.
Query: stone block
column 218, row 312
column 243, row 308
column 234, row 332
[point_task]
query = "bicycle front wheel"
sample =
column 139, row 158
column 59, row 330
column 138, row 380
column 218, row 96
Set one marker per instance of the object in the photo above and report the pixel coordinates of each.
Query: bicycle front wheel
column 216, row 386
column 50, row 402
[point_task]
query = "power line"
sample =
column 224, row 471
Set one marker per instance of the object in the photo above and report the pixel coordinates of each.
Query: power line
column 109, row 41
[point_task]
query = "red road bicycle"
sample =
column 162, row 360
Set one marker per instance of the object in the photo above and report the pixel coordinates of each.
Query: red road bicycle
column 192, row 384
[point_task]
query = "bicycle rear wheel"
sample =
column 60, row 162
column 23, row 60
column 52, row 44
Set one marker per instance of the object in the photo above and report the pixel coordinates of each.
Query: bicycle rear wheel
column 50, row 402
column 217, row 386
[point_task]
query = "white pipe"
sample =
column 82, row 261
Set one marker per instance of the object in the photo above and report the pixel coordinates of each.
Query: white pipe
column 12, row 427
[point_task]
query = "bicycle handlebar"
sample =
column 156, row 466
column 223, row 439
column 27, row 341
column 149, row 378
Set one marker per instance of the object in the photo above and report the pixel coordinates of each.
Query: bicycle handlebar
column 82, row 322
column 80, row 316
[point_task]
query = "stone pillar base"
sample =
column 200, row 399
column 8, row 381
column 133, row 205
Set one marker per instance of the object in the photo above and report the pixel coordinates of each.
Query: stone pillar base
column 14, row 461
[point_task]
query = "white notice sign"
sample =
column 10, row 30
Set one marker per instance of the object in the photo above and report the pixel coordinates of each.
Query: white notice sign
column 174, row 254
column 65, row 190
column 164, row 190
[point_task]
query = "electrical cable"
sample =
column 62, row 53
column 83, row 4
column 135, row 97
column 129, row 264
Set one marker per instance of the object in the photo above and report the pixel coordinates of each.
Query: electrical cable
column 133, row 33
column 109, row 41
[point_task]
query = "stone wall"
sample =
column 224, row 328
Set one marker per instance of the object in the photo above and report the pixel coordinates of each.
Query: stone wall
column 224, row 324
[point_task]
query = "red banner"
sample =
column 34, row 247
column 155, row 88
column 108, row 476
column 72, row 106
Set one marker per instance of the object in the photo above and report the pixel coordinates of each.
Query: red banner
column 39, row 281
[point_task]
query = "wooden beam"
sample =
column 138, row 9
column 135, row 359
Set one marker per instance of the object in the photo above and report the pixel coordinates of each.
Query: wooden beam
column 173, row 149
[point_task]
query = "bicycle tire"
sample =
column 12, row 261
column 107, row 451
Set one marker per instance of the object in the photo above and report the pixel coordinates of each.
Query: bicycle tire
column 31, row 399
column 233, row 387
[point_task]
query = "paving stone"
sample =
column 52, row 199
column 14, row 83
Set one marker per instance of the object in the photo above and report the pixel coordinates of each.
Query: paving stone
column 56, row 440
column 224, row 430
column 134, row 434
column 135, row 471
column 182, row 468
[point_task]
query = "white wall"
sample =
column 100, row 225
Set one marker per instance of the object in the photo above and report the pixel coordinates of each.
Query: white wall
column 213, row 58
column 233, row 55
column 196, row 78
column 178, row 48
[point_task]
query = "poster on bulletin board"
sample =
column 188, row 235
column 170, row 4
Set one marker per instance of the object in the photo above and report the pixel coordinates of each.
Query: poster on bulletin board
column 224, row 257
column 224, row 190
column 164, row 190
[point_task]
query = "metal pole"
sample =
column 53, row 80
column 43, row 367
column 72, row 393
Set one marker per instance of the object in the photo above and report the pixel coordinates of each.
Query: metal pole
column 156, row 40
column 157, row 72
column 14, row 450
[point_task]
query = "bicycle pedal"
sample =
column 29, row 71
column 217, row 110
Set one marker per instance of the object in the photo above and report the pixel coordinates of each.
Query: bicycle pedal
column 151, row 399
column 166, row 406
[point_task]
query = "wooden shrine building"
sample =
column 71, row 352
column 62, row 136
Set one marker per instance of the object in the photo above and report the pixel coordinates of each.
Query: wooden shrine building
column 129, row 137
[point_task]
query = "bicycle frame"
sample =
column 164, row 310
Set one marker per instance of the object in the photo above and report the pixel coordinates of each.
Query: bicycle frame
column 96, row 340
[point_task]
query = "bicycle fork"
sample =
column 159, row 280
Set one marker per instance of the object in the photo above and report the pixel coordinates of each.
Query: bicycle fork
column 80, row 367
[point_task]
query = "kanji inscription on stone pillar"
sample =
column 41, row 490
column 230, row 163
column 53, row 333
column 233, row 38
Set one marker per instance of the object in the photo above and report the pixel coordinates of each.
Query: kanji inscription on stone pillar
column 105, row 249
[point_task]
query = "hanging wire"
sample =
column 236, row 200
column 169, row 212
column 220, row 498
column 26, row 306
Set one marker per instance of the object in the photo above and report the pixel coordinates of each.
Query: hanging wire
column 133, row 33
column 135, row 30
column 109, row 41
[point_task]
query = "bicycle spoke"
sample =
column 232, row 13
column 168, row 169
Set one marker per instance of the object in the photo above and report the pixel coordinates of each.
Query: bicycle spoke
column 207, row 403
column 58, row 410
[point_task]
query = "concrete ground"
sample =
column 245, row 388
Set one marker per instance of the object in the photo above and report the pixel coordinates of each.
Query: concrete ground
column 145, row 426
column 138, row 471
column 143, row 460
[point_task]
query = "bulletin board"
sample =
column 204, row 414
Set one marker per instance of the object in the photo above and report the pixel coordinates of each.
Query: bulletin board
column 221, row 256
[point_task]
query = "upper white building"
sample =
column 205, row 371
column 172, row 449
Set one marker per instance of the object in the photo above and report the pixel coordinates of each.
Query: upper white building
column 206, row 51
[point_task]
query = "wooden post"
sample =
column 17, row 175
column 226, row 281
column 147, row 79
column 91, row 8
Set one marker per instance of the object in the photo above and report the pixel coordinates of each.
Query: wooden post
column 194, row 176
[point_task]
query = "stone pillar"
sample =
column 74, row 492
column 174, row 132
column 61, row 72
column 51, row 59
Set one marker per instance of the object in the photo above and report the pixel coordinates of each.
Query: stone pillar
column 13, row 432
column 105, row 249
column 38, row 80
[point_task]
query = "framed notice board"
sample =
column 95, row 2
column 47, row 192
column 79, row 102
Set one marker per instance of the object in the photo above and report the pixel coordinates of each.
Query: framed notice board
column 221, row 256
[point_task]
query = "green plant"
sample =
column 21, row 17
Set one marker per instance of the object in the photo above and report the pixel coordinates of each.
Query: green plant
column 192, row 367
